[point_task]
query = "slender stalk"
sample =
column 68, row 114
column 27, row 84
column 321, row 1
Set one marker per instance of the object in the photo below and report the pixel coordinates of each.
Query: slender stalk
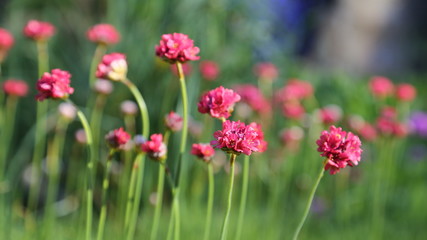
column 105, row 185
column 159, row 201
column 210, row 201
column 99, row 52
column 131, row 194
column 243, row 197
column 171, row 223
column 6, row 134
column 310, row 200
column 95, row 123
column 142, row 106
column 230, row 197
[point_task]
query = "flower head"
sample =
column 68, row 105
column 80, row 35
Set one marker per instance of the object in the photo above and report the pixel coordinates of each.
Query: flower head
column 209, row 70
column 38, row 30
column 381, row 86
column 330, row 114
column 129, row 108
column 418, row 123
column 155, row 148
column 236, row 138
column 218, row 102
column 253, row 97
column 203, row 151
column 262, row 143
column 15, row 87
column 67, row 111
column 55, row 84
column 173, row 121
column 294, row 89
column 6, row 42
column 405, row 92
column 117, row 138
column 266, row 70
column 340, row 148
column 293, row 110
column 177, row 47
column 103, row 34
column 112, row 67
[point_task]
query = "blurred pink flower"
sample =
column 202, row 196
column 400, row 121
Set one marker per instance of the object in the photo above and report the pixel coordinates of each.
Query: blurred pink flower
column 38, row 30
column 340, row 148
column 368, row 132
column 103, row 87
column 203, row 151
column 186, row 68
column 218, row 102
column 209, row 70
column 291, row 137
column 294, row 89
column 117, row 138
column 236, row 138
column 381, row 86
column 330, row 114
column 293, row 110
column 112, row 67
column 155, row 148
column 262, row 143
column 266, row 70
column 128, row 107
column 173, row 121
column 405, row 92
column 15, row 87
column 177, row 47
column 253, row 97
column 55, row 84
column 103, row 34
column 6, row 42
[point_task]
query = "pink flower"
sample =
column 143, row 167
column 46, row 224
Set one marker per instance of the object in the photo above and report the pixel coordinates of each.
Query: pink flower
column 368, row 132
column 39, row 31
column 6, row 42
column 103, row 34
column 117, row 138
column 15, row 87
column 218, row 102
column 291, row 137
column 203, row 151
column 381, row 86
column 266, row 70
column 294, row 89
column 330, row 114
column 262, row 143
column 293, row 110
column 253, row 97
column 209, row 70
column 405, row 92
column 236, row 138
column 112, row 67
column 177, row 47
column 155, row 148
column 55, row 84
column 173, row 121
column 340, row 148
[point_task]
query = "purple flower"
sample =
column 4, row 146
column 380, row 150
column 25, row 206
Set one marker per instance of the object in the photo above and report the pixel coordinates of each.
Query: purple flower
column 418, row 123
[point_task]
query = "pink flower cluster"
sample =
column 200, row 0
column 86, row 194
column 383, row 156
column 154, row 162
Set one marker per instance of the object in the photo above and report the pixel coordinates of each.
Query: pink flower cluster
column 203, row 151
column 17, row 88
column 218, row 102
column 340, row 148
column 266, row 70
column 155, row 148
column 173, row 121
column 253, row 97
column 388, row 124
column 112, row 67
column 290, row 96
column 6, row 42
column 38, row 30
column 117, row 138
column 258, row 129
column 209, row 70
column 382, row 87
column 55, row 84
column 237, row 138
column 177, row 47
column 103, row 34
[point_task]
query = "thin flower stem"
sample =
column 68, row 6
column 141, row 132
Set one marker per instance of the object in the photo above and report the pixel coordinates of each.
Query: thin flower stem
column 171, row 223
column 99, row 52
column 142, row 107
column 6, row 132
column 210, row 201
column 105, row 185
column 310, row 200
column 159, row 201
column 131, row 194
column 243, row 197
column 230, row 198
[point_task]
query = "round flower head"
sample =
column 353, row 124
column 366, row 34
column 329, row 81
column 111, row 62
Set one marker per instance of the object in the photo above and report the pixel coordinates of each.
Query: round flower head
column 293, row 110
column 67, row 111
column 253, row 97
column 340, row 148
column 112, row 67
column 294, row 89
column 405, row 92
column 418, row 123
column 103, row 87
column 209, row 70
column 177, row 47
column 203, row 151
column 129, row 108
column 155, row 148
column 6, row 42
column 266, row 70
column 39, row 31
column 330, row 114
column 103, row 34
column 381, row 87
column 218, row 102
column 236, row 138
column 55, row 84
column 15, row 87
column 262, row 143
column 117, row 138
column 173, row 121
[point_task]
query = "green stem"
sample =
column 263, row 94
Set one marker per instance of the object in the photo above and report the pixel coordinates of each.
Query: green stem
column 6, row 134
column 184, row 120
column 95, row 122
column 105, row 185
column 230, row 197
column 310, row 200
column 43, row 57
column 159, row 201
column 210, row 201
column 131, row 194
column 142, row 107
column 99, row 52
column 171, row 223
column 243, row 197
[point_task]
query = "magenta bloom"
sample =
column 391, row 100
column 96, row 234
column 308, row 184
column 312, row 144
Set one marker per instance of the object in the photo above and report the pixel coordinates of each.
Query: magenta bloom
column 340, row 148
column 112, row 67
column 103, row 34
column 262, row 143
column 39, row 31
column 203, row 151
column 218, row 102
column 253, row 97
column 381, row 86
column 293, row 110
column 173, row 121
column 266, row 70
column 177, row 47
column 55, row 84
column 209, row 70
column 236, row 138
column 405, row 92
column 117, row 138
column 6, row 42
column 15, row 87
column 294, row 89
column 330, row 114
column 155, row 148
